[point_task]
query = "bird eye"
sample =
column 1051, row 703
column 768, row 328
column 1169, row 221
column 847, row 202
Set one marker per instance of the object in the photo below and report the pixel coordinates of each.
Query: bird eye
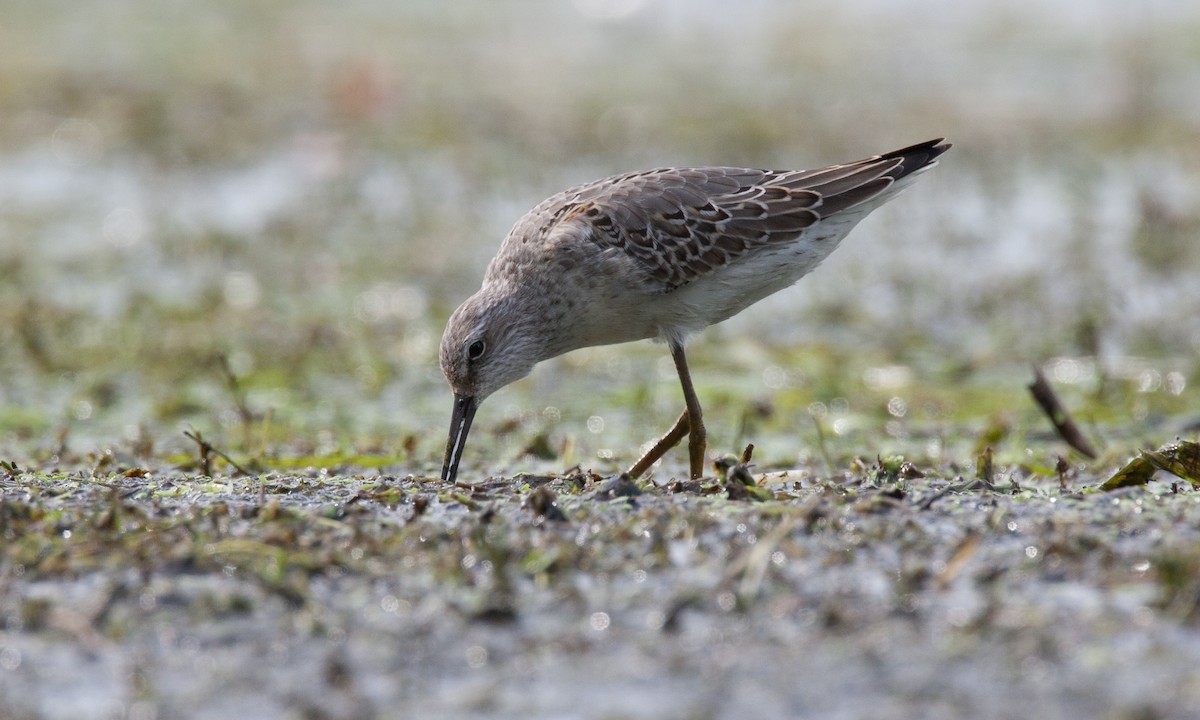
column 475, row 349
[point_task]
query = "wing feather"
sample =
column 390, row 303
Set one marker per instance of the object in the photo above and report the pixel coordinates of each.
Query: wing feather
column 679, row 224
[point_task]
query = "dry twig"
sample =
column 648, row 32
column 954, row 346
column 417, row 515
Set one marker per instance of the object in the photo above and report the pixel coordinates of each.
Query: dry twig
column 1047, row 399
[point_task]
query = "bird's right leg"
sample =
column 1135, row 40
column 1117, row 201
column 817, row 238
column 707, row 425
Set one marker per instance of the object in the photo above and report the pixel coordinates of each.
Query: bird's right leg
column 697, row 434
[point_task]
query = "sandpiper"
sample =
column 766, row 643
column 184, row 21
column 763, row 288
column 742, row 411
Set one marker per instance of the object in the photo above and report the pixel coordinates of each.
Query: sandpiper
column 657, row 254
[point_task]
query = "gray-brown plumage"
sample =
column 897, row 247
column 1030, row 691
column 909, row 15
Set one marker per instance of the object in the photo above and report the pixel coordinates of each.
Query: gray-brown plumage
column 655, row 254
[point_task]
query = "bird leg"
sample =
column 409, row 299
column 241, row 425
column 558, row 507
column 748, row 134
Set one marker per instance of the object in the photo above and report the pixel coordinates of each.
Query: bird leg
column 690, row 422
column 665, row 443
column 697, row 435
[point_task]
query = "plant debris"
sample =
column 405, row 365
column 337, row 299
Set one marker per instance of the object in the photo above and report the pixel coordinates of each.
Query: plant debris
column 1181, row 459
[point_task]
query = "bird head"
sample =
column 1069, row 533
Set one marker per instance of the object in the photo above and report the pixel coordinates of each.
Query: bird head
column 488, row 344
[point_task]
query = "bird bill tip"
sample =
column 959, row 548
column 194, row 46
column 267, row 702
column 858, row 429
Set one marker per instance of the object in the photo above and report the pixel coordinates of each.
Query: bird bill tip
column 460, row 424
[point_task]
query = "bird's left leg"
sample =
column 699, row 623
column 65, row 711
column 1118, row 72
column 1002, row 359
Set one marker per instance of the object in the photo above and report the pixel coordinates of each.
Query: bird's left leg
column 660, row 448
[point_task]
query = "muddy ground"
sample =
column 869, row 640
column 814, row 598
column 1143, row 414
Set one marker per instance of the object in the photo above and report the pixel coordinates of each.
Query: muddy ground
column 330, row 595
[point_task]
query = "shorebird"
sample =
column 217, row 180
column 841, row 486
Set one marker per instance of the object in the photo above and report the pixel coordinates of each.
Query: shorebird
column 659, row 254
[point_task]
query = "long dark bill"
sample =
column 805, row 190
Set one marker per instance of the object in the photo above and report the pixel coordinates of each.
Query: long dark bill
column 460, row 424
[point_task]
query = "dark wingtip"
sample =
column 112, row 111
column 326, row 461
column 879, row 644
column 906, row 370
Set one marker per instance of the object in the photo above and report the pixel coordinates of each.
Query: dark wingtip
column 916, row 157
column 926, row 151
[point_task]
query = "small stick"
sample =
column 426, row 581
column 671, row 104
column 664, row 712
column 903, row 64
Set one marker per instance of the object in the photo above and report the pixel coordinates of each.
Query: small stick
column 1047, row 399
column 207, row 449
column 235, row 389
column 985, row 470
column 205, row 463
column 821, row 446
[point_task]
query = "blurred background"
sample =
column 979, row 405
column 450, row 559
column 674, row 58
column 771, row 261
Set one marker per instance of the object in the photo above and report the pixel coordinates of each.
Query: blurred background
column 253, row 219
